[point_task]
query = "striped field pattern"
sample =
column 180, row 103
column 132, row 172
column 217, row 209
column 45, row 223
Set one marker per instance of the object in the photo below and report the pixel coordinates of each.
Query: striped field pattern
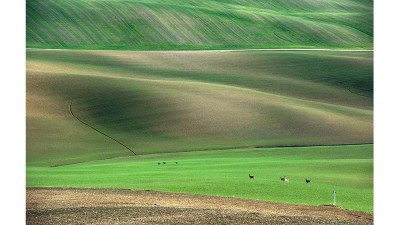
column 200, row 24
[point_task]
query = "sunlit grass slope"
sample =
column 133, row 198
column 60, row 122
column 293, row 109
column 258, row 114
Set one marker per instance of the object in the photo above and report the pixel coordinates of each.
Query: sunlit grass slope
column 348, row 170
column 201, row 24
column 178, row 101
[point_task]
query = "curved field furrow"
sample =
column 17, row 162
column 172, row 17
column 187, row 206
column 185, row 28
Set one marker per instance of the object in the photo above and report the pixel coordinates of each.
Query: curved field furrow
column 72, row 114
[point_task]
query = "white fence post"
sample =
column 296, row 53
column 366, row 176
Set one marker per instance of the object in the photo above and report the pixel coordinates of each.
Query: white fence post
column 334, row 197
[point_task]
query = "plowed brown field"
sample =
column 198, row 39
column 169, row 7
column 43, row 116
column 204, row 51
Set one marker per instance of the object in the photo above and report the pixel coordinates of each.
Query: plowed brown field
column 111, row 206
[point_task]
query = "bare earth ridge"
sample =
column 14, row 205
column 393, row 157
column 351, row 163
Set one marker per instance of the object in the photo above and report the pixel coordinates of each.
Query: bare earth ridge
column 116, row 206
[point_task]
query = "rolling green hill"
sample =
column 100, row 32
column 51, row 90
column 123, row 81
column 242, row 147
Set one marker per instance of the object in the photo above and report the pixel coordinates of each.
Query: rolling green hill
column 171, row 101
column 200, row 24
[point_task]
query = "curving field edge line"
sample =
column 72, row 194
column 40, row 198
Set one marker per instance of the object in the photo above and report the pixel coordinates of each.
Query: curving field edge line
column 115, row 140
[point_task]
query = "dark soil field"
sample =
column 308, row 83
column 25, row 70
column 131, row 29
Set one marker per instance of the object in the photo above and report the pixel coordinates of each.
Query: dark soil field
column 112, row 206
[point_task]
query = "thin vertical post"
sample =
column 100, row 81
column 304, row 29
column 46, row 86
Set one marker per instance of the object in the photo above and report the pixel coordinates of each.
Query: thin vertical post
column 334, row 197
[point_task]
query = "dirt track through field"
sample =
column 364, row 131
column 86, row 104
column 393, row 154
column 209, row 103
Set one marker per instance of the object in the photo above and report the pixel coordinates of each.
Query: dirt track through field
column 115, row 206
column 115, row 140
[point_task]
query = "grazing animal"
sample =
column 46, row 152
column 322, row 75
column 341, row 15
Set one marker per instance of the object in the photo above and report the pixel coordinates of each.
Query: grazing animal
column 164, row 162
column 159, row 163
column 284, row 179
column 308, row 181
column 176, row 162
column 252, row 177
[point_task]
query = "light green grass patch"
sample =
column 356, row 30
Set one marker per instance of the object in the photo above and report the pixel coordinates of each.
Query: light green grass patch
column 345, row 169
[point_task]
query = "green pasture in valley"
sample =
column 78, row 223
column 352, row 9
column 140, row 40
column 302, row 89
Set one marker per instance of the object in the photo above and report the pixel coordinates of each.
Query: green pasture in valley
column 201, row 24
column 348, row 170
column 169, row 101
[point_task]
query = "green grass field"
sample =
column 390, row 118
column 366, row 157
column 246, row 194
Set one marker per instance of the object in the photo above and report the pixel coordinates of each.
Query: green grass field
column 156, row 102
column 220, row 114
column 348, row 170
column 201, row 24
